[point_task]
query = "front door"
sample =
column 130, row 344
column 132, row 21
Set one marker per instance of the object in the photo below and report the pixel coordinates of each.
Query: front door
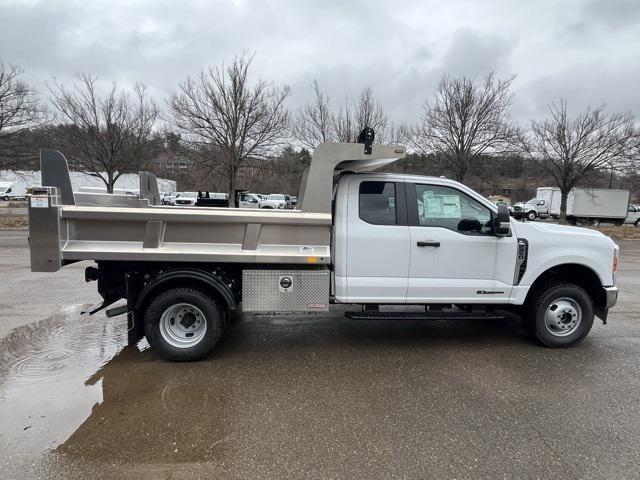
column 455, row 256
column 378, row 245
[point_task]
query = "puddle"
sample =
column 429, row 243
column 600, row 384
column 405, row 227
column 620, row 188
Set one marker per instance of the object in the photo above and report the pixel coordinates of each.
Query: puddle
column 43, row 369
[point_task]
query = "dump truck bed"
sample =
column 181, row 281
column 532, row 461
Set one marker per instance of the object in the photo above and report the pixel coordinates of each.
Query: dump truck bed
column 67, row 227
column 159, row 233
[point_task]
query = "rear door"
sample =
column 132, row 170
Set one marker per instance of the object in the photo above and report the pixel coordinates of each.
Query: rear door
column 378, row 243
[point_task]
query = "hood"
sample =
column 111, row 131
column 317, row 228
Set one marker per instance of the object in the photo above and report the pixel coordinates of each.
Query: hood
column 552, row 228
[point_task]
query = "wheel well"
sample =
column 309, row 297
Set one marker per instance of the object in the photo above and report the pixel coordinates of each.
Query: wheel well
column 577, row 274
column 219, row 290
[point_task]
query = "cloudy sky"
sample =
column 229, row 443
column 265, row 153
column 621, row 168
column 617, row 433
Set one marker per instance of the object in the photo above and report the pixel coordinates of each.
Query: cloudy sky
column 587, row 51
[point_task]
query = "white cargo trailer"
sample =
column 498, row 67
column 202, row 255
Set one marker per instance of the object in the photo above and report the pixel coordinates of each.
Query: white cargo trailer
column 592, row 205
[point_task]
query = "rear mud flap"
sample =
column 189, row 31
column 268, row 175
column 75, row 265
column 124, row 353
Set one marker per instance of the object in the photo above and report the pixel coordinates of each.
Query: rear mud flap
column 135, row 329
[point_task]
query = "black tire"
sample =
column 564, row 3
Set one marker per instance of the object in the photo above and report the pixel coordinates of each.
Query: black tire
column 531, row 216
column 543, row 298
column 637, row 223
column 213, row 317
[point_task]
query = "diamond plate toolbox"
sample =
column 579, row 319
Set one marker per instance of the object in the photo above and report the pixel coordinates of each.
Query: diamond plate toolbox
column 286, row 290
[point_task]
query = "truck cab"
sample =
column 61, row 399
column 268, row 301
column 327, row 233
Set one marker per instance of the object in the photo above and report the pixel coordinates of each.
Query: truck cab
column 441, row 245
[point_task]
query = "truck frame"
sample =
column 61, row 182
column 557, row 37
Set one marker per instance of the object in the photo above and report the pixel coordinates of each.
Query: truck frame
column 186, row 273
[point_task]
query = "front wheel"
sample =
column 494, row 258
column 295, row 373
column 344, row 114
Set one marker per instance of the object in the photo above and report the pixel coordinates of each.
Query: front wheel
column 559, row 315
column 531, row 216
column 637, row 223
column 183, row 324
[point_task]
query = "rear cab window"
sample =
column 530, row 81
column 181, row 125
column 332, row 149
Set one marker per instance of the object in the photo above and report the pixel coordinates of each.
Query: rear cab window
column 377, row 203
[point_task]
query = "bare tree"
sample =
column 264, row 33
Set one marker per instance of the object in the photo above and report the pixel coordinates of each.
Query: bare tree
column 368, row 112
column 467, row 120
column 20, row 111
column 227, row 121
column 568, row 149
column 313, row 123
column 316, row 122
column 364, row 112
column 344, row 128
column 107, row 135
column 397, row 134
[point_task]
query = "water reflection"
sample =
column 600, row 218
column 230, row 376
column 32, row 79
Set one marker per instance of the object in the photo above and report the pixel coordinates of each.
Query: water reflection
column 150, row 410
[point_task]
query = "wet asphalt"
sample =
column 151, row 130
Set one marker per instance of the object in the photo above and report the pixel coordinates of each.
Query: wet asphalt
column 310, row 396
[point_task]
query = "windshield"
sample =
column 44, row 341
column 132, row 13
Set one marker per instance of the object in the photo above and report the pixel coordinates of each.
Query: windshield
column 533, row 200
column 276, row 197
column 188, row 194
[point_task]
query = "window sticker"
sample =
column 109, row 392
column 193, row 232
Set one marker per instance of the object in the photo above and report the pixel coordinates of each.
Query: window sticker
column 441, row 206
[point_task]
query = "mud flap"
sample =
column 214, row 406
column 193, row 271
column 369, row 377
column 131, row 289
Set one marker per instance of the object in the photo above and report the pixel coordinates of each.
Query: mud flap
column 602, row 314
column 135, row 325
column 135, row 329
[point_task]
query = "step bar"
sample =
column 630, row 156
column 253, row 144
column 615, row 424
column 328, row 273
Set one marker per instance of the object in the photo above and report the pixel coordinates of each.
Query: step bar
column 435, row 315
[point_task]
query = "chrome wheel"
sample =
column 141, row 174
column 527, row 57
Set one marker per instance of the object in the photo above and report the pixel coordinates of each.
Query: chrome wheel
column 183, row 325
column 563, row 317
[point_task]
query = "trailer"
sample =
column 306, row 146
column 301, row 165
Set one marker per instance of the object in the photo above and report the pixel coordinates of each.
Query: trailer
column 359, row 237
column 588, row 205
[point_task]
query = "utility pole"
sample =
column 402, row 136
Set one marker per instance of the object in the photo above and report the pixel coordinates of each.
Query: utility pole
column 611, row 178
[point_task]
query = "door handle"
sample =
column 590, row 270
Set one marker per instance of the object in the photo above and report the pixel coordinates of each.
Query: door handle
column 428, row 243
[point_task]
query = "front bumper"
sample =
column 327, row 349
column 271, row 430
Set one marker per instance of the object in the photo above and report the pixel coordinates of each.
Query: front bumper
column 611, row 296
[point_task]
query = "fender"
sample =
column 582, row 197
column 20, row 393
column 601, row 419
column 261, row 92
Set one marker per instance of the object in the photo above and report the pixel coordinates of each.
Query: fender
column 209, row 279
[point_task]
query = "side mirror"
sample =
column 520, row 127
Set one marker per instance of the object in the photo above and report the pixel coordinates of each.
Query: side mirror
column 502, row 222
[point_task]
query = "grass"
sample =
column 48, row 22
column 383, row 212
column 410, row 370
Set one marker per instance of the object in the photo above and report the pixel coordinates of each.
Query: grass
column 619, row 233
column 14, row 222
column 13, row 204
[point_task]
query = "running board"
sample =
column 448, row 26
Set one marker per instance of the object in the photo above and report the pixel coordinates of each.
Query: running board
column 437, row 315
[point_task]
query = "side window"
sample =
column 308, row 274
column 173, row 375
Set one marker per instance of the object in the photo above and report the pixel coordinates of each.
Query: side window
column 448, row 208
column 631, row 208
column 377, row 203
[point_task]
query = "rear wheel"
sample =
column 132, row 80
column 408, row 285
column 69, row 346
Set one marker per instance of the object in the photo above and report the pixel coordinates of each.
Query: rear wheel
column 183, row 324
column 559, row 315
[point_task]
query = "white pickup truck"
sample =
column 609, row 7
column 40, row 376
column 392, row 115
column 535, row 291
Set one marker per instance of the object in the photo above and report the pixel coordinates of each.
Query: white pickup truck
column 360, row 238
column 532, row 209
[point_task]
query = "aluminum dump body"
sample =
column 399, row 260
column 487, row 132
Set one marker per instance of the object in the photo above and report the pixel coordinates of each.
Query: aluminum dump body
column 67, row 227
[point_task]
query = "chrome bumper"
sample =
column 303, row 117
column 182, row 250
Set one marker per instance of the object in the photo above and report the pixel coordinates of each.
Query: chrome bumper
column 611, row 296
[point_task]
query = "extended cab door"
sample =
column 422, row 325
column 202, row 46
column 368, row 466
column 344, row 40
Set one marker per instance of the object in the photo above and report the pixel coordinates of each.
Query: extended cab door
column 377, row 241
column 455, row 256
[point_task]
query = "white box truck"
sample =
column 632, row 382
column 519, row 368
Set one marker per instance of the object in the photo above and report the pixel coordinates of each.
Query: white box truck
column 588, row 205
